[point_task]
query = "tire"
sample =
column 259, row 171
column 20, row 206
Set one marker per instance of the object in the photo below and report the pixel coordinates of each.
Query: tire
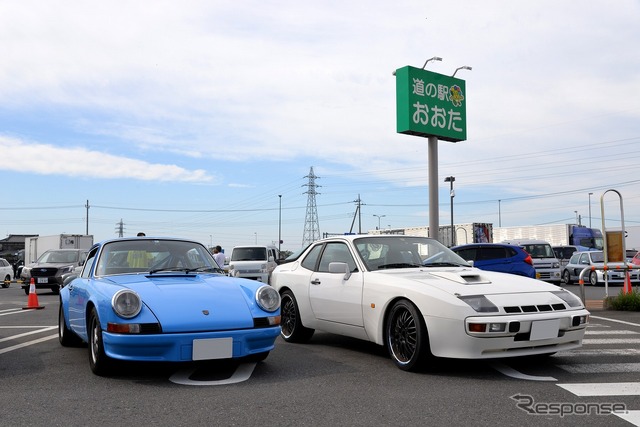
column 55, row 289
column 65, row 335
column 7, row 281
column 292, row 329
column 406, row 337
column 566, row 277
column 99, row 362
column 593, row 278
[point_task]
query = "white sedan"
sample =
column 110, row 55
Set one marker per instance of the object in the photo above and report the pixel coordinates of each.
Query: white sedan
column 6, row 273
column 419, row 299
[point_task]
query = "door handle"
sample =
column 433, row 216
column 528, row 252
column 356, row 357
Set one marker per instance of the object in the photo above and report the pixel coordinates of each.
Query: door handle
column 315, row 282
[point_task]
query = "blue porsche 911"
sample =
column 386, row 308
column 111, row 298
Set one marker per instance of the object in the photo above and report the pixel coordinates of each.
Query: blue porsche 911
column 165, row 300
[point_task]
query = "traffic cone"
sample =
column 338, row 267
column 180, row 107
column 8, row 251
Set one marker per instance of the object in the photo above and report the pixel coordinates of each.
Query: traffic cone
column 627, row 284
column 32, row 302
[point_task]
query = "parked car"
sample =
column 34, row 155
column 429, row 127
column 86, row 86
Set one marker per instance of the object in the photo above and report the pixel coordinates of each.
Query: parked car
column 51, row 269
column 564, row 253
column 580, row 260
column 544, row 259
column 178, row 307
column 6, row 272
column 419, row 299
column 498, row 257
column 253, row 262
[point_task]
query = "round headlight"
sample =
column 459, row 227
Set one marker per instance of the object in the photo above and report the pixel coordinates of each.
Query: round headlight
column 126, row 303
column 268, row 298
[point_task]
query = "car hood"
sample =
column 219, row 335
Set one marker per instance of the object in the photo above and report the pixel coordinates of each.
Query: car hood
column 472, row 281
column 193, row 303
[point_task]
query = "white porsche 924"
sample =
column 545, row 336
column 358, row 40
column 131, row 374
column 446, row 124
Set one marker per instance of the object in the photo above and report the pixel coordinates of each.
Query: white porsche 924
column 419, row 299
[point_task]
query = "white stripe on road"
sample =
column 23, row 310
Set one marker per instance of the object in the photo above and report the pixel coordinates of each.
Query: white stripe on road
column 632, row 417
column 26, row 344
column 614, row 332
column 13, row 311
column 601, row 368
column 595, row 341
column 24, row 334
column 603, row 389
column 510, row 372
column 615, row 320
column 600, row 352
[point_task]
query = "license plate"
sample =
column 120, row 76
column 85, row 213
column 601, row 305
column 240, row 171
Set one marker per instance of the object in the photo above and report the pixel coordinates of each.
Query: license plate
column 212, row 348
column 43, row 280
column 544, row 329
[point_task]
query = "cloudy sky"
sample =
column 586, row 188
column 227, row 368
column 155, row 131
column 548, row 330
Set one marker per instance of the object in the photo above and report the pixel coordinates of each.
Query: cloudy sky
column 191, row 118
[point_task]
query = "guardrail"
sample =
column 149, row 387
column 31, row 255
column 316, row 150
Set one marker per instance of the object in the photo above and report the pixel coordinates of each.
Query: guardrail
column 605, row 268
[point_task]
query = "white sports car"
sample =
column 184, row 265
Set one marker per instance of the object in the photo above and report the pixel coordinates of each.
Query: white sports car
column 419, row 299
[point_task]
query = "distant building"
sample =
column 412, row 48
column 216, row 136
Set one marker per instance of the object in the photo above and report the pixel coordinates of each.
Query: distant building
column 12, row 247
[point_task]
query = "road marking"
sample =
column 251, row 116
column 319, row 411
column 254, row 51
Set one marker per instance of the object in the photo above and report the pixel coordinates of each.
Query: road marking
column 600, row 352
column 615, row 320
column 510, row 372
column 242, row 373
column 26, row 344
column 601, row 368
column 593, row 341
column 614, row 332
column 24, row 334
column 603, row 389
column 631, row 416
column 13, row 311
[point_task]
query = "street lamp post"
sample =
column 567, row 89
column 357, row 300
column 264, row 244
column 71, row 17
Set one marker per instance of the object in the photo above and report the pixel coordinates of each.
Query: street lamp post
column 590, row 194
column 379, row 216
column 280, row 223
column 452, row 194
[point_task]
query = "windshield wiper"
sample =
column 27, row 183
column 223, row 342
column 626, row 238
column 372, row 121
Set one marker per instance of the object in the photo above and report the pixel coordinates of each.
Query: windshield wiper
column 398, row 265
column 445, row 264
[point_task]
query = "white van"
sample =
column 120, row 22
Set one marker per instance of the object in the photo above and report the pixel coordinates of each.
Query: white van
column 544, row 259
column 253, row 262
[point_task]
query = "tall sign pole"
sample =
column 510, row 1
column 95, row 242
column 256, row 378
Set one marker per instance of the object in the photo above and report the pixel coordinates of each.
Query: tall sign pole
column 432, row 106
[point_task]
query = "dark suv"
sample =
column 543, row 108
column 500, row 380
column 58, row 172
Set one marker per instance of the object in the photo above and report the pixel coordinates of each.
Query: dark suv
column 498, row 257
column 50, row 270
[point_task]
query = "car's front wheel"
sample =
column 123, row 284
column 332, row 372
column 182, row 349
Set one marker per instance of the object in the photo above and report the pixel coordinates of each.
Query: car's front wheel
column 593, row 278
column 99, row 362
column 7, row 281
column 66, row 337
column 566, row 277
column 292, row 329
column 406, row 336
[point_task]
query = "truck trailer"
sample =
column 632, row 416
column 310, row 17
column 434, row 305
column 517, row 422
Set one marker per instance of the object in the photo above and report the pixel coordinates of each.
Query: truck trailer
column 584, row 238
column 37, row 245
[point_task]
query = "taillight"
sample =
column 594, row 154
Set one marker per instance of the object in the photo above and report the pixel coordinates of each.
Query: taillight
column 528, row 260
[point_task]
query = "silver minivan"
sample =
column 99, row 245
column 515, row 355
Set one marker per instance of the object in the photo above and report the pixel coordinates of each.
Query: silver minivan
column 253, row 262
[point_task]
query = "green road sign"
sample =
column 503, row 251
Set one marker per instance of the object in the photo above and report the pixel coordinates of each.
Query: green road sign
column 430, row 104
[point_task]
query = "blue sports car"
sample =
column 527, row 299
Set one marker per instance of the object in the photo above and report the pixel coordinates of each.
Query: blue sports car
column 166, row 300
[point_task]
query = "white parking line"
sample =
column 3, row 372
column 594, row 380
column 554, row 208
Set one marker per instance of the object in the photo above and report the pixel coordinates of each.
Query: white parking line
column 609, row 332
column 603, row 389
column 592, row 341
column 600, row 352
column 601, row 368
column 13, row 311
column 24, row 334
column 26, row 344
column 510, row 372
column 242, row 373
column 615, row 320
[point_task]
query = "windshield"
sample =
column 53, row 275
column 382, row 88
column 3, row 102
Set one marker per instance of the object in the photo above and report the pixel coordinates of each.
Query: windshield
column 539, row 250
column 249, row 254
column 380, row 253
column 59, row 257
column 154, row 256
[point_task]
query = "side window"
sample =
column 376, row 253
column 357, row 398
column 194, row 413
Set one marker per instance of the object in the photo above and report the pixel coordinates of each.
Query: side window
column 88, row 263
column 492, row 252
column 584, row 259
column 310, row 260
column 468, row 254
column 336, row 252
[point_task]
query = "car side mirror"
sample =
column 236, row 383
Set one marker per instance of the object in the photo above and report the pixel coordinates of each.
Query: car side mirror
column 340, row 268
column 470, row 261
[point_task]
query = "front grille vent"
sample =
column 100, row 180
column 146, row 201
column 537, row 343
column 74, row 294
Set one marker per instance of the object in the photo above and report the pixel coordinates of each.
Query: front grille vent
column 534, row 308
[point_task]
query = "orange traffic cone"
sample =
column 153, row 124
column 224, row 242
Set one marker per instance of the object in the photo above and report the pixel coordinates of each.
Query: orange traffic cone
column 627, row 284
column 32, row 303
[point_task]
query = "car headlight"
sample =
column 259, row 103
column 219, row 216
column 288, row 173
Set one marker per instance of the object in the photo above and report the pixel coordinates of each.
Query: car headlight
column 480, row 303
column 556, row 265
column 268, row 298
column 66, row 269
column 126, row 303
column 569, row 298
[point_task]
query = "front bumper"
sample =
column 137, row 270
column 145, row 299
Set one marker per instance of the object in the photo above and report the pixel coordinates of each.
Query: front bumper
column 179, row 347
column 449, row 337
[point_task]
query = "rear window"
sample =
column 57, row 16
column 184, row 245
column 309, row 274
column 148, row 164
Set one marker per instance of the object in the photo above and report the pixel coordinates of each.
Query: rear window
column 249, row 254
